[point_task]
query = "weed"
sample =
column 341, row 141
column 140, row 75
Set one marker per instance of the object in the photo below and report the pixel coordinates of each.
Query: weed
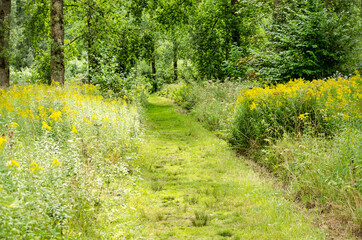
column 61, row 152
column 156, row 186
column 225, row 233
column 201, row 219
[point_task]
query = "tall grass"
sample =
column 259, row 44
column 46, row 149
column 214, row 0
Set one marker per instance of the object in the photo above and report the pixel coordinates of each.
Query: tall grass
column 321, row 172
column 61, row 152
column 308, row 133
column 320, row 107
column 210, row 102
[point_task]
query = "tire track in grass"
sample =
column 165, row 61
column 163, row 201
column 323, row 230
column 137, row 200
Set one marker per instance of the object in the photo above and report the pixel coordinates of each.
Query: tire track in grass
column 194, row 187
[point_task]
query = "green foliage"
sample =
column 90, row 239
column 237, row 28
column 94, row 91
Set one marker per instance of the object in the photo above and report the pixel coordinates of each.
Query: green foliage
column 311, row 42
column 200, row 220
column 41, row 68
column 222, row 35
column 181, row 94
column 22, row 76
column 209, row 102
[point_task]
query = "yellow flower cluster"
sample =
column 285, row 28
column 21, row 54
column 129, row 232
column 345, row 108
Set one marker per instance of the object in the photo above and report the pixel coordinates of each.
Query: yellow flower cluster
column 46, row 107
column 13, row 163
column 56, row 162
column 336, row 98
column 59, row 112
column 34, row 167
column 2, row 141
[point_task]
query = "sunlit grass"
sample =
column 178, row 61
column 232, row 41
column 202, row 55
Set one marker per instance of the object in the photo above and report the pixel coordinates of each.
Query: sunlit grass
column 207, row 192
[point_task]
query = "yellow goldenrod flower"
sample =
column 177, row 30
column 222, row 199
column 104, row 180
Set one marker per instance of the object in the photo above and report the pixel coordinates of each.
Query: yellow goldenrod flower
column 13, row 163
column 56, row 162
column 2, row 141
column 74, row 130
column 303, row 116
column 55, row 115
column 253, row 106
column 33, row 166
column 46, row 126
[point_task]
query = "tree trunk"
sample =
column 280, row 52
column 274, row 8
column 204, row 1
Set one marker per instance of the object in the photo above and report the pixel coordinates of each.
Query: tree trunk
column 175, row 49
column 235, row 28
column 5, row 8
column 90, row 40
column 153, row 63
column 57, row 35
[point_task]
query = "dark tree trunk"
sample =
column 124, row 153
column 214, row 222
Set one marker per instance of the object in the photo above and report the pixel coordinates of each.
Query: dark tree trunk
column 5, row 8
column 235, row 28
column 57, row 35
column 175, row 49
column 153, row 63
column 90, row 39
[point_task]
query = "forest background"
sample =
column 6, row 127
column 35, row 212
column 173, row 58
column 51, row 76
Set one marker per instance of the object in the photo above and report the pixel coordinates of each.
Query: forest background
column 116, row 44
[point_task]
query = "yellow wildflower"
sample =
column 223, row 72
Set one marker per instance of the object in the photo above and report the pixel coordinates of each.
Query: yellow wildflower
column 74, row 130
column 46, row 126
column 33, row 166
column 13, row 125
column 56, row 162
column 303, row 116
column 2, row 141
column 87, row 121
column 55, row 115
column 253, row 106
column 13, row 163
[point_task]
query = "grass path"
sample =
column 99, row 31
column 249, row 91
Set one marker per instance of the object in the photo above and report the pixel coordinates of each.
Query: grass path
column 194, row 187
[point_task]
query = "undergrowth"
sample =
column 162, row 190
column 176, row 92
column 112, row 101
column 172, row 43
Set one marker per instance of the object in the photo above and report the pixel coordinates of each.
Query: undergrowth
column 308, row 133
column 63, row 161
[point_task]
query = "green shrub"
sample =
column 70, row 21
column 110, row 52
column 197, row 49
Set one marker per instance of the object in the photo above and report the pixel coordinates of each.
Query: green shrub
column 311, row 42
column 318, row 107
column 181, row 94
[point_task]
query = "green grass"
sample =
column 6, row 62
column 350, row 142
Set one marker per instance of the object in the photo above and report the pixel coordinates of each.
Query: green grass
column 194, row 187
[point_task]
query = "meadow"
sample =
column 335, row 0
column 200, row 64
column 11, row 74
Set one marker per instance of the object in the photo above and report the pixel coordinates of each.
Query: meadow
column 64, row 160
column 75, row 164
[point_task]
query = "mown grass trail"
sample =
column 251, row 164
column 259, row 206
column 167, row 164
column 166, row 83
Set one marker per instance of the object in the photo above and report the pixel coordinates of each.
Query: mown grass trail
column 194, row 187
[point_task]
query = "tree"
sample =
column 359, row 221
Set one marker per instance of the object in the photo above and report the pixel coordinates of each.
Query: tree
column 172, row 16
column 5, row 8
column 309, row 41
column 57, row 41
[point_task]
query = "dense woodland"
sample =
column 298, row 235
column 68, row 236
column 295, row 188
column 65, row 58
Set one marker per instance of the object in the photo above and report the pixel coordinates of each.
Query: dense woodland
column 116, row 43
column 180, row 119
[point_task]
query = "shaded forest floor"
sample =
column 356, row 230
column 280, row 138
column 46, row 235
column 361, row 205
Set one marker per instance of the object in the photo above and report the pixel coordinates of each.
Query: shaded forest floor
column 194, row 187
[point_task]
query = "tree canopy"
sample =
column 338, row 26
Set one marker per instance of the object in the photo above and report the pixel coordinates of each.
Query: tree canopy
column 116, row 43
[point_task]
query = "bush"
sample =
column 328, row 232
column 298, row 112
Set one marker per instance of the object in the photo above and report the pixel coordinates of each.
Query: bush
column 209, row 102
column 181, row 94
column 311, row 42
column 318, row 107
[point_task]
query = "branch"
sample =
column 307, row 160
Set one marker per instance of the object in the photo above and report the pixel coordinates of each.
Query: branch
column 75, row 39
